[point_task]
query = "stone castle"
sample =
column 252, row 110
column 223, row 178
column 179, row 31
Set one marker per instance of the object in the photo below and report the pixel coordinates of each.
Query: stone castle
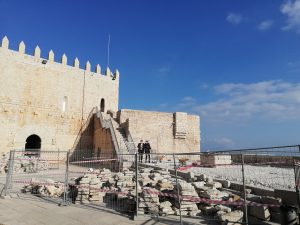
column 51, row 106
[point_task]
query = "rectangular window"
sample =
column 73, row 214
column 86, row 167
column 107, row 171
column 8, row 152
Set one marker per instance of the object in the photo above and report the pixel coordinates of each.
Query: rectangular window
column 64, row 104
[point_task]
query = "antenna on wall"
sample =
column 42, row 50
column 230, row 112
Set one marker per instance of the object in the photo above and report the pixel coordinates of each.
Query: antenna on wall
column 108, row 45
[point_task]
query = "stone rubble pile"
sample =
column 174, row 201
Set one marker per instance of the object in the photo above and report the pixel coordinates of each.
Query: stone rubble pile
column 124, row 180
column 45, row 188
column 158, row 194
column 92, row 187
column 165, row 183
column 187, row 191
column 23, row 164
column 89, row 189
column 149, row 201
column 234, row 217
column 165, row 208
column 30, row 164
column 4, row 163
column 144, row 179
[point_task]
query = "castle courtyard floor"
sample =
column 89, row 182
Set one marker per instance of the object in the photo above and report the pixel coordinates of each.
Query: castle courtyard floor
column 36, row 211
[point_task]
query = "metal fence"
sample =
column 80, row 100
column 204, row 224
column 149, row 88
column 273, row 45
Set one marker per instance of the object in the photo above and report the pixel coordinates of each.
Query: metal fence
column 243, row 187
column 38, row 173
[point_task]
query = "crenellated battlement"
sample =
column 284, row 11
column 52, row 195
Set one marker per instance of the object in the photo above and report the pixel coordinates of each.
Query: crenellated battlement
column 63, row 61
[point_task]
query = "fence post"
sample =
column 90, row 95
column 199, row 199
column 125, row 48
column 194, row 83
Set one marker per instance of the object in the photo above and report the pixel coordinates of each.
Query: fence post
column 297, row 180
column 244, row 190
column 136, row 185
column 64, row 203
column 9, row 172
column 37, row 164
column 58, row 159
column 178, row 195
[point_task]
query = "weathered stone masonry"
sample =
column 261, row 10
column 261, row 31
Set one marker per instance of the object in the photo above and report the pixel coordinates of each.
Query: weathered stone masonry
column 51, row 100
column 57, row 102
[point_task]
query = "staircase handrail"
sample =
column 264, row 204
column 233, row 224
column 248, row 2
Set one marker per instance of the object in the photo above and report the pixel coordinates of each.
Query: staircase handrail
column 114, row 136
column 130, row 140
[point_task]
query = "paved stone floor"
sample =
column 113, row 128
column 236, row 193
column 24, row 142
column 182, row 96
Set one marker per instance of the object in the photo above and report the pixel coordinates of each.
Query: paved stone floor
column 36, row 211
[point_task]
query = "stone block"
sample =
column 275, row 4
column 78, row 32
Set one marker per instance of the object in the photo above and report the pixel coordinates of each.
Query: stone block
column 198, row 184
column 260, row 212
column 234, row 216
column 254, row 198
column 225, row 183
column 287, row 197
column 223, row 208
column 214, row 184
column 201, row 177
column 165, row 204
column 271, row 200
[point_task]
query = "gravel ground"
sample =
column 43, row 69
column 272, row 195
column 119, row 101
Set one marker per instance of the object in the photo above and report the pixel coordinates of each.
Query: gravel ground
column 259, row 176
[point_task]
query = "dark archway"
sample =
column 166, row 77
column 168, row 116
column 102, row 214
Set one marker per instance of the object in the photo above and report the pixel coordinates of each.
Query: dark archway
column 102, row 105
column 33, row 143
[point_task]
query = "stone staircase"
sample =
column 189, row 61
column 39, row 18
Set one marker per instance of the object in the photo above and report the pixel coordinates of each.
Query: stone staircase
column 123, row 143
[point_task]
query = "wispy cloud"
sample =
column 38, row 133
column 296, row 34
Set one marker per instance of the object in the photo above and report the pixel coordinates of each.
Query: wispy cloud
column 204, row 86
column 273, row 99
column 293, row 67
column 234, row 18
column 291, row 9
column 163, row 72
column 164, row 69
column 186, row 104
column 163, row 105
column 188, row 99
column 265, row 25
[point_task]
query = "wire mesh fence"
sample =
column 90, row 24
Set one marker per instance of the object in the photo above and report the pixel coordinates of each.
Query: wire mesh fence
column 103, row 180
column 38, row 173
column 238, row 187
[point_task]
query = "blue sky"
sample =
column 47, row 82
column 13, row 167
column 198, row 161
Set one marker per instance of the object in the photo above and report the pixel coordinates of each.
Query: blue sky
column 235, row 63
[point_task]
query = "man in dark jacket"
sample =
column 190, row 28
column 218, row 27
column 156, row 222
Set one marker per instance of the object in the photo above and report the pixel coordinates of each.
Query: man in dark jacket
column 140, row 150
column 147, row 149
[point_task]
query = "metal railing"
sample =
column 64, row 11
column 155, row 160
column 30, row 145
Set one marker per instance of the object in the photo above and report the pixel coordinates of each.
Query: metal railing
column 132, row 147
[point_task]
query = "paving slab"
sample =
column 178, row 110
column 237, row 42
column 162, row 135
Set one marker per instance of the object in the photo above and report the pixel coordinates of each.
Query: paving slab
column 37, row 211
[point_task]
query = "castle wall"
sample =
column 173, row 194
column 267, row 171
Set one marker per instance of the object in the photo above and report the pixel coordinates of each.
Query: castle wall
column 51, row 100
column 166, row 132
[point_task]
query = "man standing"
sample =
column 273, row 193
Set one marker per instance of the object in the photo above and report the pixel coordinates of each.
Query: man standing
column 140, row 150
column 147, row 149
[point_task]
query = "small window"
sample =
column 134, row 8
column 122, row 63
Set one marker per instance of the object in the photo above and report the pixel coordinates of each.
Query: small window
column 64, row 104
column 102, row 105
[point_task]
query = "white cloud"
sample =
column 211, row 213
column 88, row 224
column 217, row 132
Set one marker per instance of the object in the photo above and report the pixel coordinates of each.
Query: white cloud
column 275, row 99
column 294, row 67
column 164, row 69
column 189, row 99
column 265, row 25
column 224, row 141
column 291, row 9
column 163, row 105
column 204, row 86
column 234, row 18
column 186, row 104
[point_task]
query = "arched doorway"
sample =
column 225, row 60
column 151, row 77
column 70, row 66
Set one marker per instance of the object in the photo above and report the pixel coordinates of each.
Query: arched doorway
column 102, row 105
column 33, row 144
